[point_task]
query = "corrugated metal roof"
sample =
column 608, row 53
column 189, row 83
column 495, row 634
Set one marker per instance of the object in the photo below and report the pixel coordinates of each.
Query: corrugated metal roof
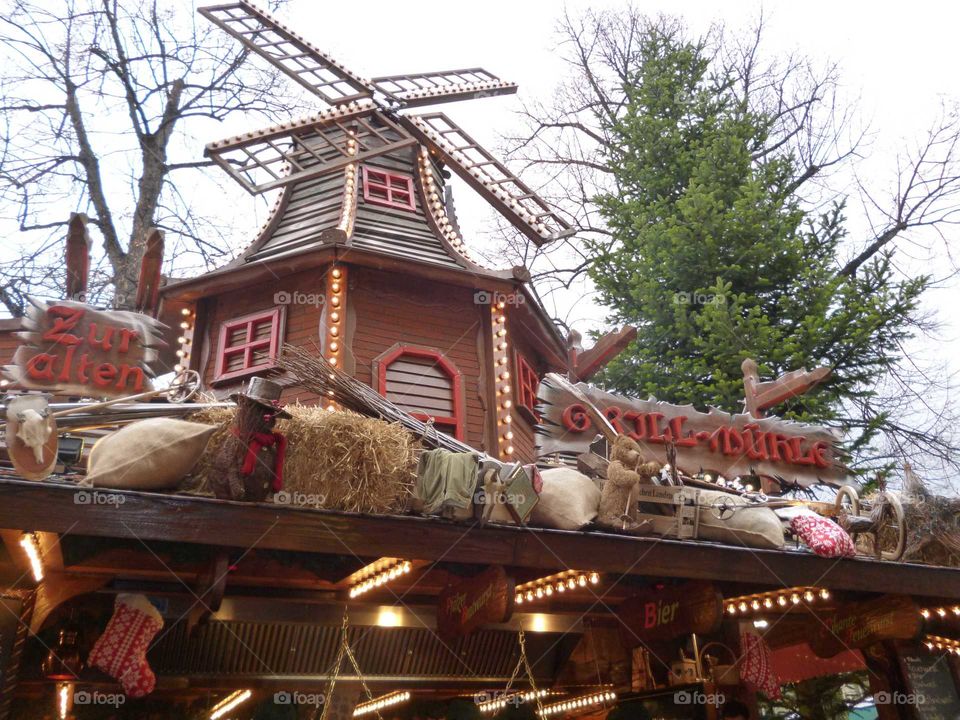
column 278, row 650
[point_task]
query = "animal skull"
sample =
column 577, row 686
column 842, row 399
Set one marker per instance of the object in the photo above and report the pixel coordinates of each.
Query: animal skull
column 34, row 431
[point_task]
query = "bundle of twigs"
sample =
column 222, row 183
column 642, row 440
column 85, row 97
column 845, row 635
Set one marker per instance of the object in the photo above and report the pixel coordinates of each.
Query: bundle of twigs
column 318, row 376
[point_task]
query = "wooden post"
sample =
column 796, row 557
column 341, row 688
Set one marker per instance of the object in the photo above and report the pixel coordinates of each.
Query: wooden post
column 885, row 677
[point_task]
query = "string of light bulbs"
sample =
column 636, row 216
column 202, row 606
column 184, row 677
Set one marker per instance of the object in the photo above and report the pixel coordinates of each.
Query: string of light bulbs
column 229, row 703
column 335, row 307
column 938, row 642
column 492, row 706
column 559, row 583
column 941, row 612
column 184, row 340
column 501, row 369
column 584, row 701
column 379, row 703
column 379, row 573
column 778, row 599
column 31, row 546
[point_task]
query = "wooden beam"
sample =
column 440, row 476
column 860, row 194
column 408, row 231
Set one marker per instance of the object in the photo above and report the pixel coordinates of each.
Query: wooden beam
column 206, row 521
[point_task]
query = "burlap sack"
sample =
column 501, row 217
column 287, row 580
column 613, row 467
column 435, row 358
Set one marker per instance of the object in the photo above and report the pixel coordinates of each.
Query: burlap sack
column 154, row 454
column 569, row 500
column 757, row 527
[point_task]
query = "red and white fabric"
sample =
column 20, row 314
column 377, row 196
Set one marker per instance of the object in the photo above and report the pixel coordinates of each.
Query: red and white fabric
column 121, row 651
column 756, row 665
column 823, row 536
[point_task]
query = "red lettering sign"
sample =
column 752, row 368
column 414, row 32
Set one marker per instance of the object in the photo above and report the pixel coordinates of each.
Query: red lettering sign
column 74, row 349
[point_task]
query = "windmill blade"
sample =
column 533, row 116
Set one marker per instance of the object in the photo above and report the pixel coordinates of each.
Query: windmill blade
column 488, row 176
column 269, row 38
column 303, row 149
column 440, row 87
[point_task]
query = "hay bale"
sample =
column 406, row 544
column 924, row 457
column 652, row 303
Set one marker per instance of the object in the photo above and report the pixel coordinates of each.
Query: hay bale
column 334, row 460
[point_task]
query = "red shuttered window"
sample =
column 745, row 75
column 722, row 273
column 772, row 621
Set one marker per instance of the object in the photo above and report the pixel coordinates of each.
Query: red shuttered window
column 528, row 383
column 248, row 344
column 386, row 188
column 424, row 383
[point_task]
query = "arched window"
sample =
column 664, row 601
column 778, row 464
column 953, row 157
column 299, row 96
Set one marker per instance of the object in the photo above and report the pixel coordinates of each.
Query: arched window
column 425, row 384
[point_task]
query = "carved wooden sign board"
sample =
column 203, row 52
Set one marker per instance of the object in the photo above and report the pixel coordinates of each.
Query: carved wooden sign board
column 466, row 605
column 693, row 607
column 70, row 348
column 711, row 442
column 861, row 624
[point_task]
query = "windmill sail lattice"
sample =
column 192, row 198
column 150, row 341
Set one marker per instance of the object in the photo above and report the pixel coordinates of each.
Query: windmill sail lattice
column 365, row 121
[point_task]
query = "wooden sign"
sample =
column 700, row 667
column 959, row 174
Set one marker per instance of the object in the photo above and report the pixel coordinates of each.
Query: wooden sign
column 859, row 625
column 930, row 684
column 713, row 442
column 694, row 607
column 70, row 348
column 464, row 606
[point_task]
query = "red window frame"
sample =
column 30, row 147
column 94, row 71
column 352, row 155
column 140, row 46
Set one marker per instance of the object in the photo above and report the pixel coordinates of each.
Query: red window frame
column 456, row 421
column 527, row 385
column 382, row 187
column 275, row 316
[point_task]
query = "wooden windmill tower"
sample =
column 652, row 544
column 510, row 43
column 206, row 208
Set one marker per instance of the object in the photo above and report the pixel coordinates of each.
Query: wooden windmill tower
column 362, row 257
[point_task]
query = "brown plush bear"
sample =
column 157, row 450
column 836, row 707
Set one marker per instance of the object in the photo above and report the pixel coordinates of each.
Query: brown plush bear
column 624, row 474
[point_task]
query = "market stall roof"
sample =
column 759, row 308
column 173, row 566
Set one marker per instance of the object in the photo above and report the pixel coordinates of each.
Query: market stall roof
column 52, row 507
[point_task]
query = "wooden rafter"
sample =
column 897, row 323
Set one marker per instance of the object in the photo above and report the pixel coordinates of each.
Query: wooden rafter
column 288, row 153
column 290, row 52
column 445, row 86
column 488, row 176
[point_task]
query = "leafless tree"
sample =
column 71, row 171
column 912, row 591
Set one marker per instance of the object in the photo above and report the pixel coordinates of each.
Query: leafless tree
column 100, row 103
column 565, row 143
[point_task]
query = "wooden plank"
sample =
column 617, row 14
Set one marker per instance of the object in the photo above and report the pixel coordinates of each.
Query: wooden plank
column 204, row 521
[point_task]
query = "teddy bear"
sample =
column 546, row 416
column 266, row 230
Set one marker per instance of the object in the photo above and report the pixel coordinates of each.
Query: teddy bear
column 624, row 473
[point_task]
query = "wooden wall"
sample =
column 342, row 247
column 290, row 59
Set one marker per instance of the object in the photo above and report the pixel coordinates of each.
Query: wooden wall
column 391, row 309
column 383, row 309
column 8, row 339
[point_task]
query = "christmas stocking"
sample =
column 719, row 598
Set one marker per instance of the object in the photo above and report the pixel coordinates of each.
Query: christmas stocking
column 121, row 651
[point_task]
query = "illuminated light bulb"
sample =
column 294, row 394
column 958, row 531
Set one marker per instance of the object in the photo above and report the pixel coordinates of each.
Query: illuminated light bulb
column 767, row 603
column 185, row 312
column 509, row 450
column 334, row 331
column 529, row 595
column 335, row 287
column 548, row 590
column 180, row 353
column 332, row 360
column 335, row 316
column 743, row 607
column 781, row 600
column 176, row 368
column 755, row 604
column 335, row 301
column 334, row 346
column 795, row 599
column 509, row 435
column 561, row 587
column 582, row 581
column 571, row 583
column 732, row 609
column 594, row 578
column 825, row 594
column 941, row 612
column 336, row 272
column 925, row 613
column 507, row 404
column 808, row 596
column 185, row 325
column 508, row 419
column 538, row 592
column 181, row 339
